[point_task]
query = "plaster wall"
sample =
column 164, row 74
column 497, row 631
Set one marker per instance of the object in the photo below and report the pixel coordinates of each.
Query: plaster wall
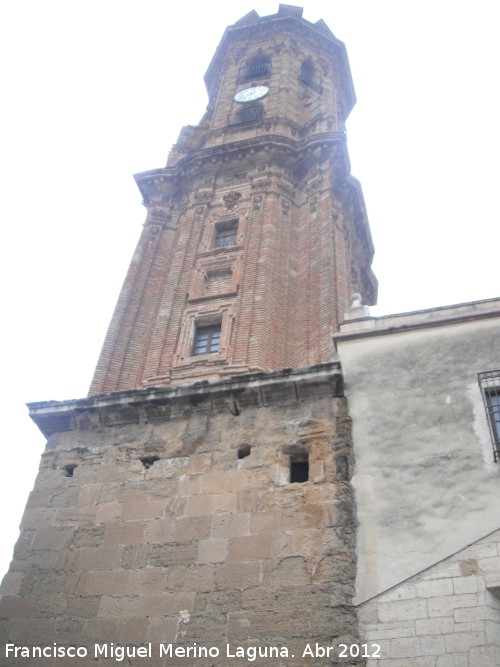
column 425, row 482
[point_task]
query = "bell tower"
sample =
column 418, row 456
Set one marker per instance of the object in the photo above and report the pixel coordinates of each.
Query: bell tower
column 199, row 499
column 256, row 234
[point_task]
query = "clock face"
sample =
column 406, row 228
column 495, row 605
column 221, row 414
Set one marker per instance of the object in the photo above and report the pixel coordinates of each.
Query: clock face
column 251, row 94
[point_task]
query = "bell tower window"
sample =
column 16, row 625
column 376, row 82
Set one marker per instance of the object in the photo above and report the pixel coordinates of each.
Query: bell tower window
column 256, row 68
column 249, row 115
column 307, row 72
column 307, row 76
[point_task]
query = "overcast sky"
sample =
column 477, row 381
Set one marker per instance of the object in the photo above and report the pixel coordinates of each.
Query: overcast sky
column 94, row 91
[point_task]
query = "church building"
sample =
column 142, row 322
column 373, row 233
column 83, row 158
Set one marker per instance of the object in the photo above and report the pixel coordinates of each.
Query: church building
column 262, row 470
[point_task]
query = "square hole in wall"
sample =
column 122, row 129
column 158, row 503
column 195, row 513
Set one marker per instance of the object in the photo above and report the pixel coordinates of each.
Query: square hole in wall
column 299, row 468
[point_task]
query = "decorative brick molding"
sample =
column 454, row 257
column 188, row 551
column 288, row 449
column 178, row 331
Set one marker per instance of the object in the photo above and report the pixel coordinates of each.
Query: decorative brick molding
column 202, row 315
column 221, row 217
column 215, row 276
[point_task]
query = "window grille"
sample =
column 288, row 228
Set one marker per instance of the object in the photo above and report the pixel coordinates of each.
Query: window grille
column 255, row 69
column 490, row 389
column 206, row 339
column 247, row 115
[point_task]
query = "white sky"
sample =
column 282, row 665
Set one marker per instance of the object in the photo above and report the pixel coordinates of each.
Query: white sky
column 96, row 90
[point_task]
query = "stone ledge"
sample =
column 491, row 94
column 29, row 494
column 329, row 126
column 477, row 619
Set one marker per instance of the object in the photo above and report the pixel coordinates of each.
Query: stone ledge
column 418, row 319
column 154, row 403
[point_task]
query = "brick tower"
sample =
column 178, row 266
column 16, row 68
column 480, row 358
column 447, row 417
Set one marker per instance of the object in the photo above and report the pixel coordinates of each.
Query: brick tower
column 200, row 497
column 256, row 235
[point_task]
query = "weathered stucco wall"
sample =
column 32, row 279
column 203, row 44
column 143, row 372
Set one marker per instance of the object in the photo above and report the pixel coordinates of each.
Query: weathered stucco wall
column 179, row 522
column 425, row 482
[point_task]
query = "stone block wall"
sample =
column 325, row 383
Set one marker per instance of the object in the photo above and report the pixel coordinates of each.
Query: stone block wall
column 169, row 516
column 446, row 616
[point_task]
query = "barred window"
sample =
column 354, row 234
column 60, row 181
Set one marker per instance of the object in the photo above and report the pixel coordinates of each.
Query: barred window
column 256, row 68
column 251, row 114
column 207, row 339
column 490, row 389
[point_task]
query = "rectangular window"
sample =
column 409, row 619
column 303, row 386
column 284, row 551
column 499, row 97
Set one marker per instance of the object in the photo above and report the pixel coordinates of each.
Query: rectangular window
column 248, row 115
column 225, row 234
column 299, row 469
column 206, row 339
column 490, row 388
column 255, row 68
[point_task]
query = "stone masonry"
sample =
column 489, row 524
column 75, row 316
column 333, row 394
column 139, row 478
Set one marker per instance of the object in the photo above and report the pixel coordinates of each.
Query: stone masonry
column 447, row 616
column 170, row 517
column 201, row 494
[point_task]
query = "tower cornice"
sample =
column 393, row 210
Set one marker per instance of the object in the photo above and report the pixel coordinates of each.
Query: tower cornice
column 160, row 403
column 292, row 154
